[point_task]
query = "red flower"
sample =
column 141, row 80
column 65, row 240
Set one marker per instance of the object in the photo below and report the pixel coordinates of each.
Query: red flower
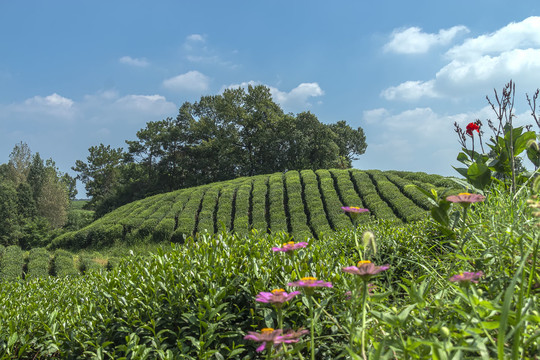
column 471, row 127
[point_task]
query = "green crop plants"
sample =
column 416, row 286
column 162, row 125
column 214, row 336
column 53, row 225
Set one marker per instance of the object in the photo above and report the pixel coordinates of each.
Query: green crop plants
column 241, row 223
column 346, row 190
column 38, row 263
column 278, row 219
column 299, row 222
column 63, row 264
column 206, row 215
column 11, row 264
column 259, row 207
column 405, row 207
column 186, row 219
column 377, row 206
column 333, row 205
column 314, row 204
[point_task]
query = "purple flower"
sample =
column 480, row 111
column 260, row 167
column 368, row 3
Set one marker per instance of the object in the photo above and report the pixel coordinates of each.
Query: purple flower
column 466, row 198
column 276, row 297
column 292, row 336
column 310, row 282
column 467, row 277
column 266, row 336
column 365, row 269
column 290, row 246
column 354, row 209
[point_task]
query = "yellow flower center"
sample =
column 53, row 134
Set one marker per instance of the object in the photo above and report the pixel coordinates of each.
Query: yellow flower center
column 355, row 207
column 309, row 279
column 464, row 194
column 363, row 262
column 277, row 291
column 266, row 330
column 288, row 243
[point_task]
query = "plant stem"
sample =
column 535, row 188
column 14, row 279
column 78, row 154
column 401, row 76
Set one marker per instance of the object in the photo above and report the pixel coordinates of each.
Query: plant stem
column 312, row 326
column 364, row 300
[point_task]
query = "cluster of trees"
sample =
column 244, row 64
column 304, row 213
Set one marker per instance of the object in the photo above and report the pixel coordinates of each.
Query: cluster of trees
column 237, row 133
column 34, row 198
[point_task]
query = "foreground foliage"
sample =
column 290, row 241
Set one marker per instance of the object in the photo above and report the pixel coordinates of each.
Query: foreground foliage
column 197, row 300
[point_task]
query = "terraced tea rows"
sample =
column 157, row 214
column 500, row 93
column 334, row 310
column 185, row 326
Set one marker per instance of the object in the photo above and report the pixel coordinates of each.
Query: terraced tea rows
column 304, row 203
column 40, row 263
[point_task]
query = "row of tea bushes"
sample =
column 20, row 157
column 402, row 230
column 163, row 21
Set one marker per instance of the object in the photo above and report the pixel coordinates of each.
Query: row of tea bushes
column 402, row 205
column 304, row 204
column 338, row 218
column 40, row 263
column 314, row 203
column 371, row 198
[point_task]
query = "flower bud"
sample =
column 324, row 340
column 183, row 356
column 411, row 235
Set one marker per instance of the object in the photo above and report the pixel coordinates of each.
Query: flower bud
column 445, row 331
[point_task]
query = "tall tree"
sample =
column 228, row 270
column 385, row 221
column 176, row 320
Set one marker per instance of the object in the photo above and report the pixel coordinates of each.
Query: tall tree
column 101, row 171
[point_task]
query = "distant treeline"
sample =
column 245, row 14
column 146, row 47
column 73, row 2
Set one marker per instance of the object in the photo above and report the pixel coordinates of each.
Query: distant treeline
column 221, row 137
column 34, row 198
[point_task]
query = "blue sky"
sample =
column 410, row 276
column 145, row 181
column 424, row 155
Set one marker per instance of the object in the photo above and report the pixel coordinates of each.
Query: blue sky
column 75, row 74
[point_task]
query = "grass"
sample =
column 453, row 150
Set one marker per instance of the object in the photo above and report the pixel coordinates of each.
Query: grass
column 197, row 300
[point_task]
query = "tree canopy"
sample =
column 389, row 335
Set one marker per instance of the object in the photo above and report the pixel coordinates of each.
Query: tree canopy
column 237, row 133
column 34, row 198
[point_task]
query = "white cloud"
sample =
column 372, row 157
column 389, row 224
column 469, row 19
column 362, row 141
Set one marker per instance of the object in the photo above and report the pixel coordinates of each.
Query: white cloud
column 482, row 63
column 52, row 105
column 418, row 139
column 153, row 104
column 192, row 81
column 411, row 90
column 413, row 41
column 128, row 60
column 295, row 100
column 195, row 38
column 521, row 35
column 298, row 97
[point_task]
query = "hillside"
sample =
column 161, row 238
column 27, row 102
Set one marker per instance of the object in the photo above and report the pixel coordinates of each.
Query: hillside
column 304, row 203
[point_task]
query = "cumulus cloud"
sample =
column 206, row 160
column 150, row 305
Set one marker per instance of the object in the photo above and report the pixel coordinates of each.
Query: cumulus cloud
column 38, row 107
column 480, row 63
column 195, row 38
column 521, row 35
column 128, row 60
column 411, row 140
column 411, row 90
column 192, row 81
column 414, row 41
column 295, row 100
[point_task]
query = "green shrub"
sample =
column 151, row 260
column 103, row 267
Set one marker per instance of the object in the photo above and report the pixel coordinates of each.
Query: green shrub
column 372, row 201
column 209, row 203
column 87, row 264
column 346, row 191
column 63, row 264
column 241, row 223
column 297, row 213
column 314, row 204
column 278, row 219
column 11, row 265
column 338, row 218
column 260, row 188
column 405, row 207
column 38, row 263
column 163, row 230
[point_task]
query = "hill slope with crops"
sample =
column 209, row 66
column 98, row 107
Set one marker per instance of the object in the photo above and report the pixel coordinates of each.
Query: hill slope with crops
column 302, row 203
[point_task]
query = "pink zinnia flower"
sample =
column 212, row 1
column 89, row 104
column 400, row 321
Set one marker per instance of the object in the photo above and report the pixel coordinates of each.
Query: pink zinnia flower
column 276, row 297
column 266, row 336
column 354, row 209
column 467, row 277
column 466, row 198
column 293, row 336
column 365, row 269
column 310, row 282
column 290, row 246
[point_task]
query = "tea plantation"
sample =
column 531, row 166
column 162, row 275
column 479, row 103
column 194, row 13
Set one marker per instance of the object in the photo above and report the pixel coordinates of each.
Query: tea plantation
column 304, row 204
